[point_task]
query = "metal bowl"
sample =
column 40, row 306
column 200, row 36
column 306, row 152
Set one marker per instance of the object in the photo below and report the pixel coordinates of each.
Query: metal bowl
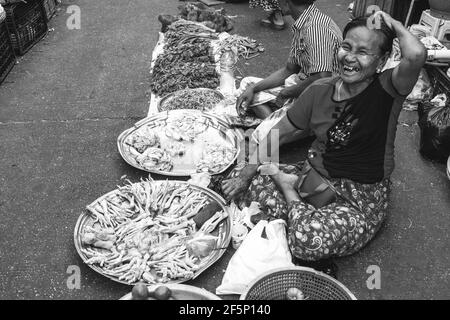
column 223, row 231
column 217, row 131
column 181, row 292
column 448, row 167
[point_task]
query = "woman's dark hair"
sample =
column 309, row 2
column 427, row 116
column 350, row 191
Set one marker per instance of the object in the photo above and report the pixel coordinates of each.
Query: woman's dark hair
column 384, row 30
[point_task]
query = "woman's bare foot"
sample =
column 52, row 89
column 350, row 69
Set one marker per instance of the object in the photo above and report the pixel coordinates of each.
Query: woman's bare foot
column 285, row 182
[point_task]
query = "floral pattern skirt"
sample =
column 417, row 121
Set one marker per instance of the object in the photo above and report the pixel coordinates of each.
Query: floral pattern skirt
column 267, row 5
column 338, row 229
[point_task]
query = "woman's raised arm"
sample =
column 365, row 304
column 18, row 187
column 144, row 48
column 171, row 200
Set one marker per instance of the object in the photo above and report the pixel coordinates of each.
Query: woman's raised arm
column 414, row 55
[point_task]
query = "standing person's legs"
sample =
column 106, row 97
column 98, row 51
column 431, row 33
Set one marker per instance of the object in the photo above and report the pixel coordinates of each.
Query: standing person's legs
column 278, row 17
column 275, row 18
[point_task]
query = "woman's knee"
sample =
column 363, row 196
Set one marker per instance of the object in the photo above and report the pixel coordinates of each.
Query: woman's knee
column 308, row 244
column 320, row 234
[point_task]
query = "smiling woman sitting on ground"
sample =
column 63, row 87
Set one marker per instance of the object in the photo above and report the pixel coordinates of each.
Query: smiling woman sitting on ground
column 336, row 201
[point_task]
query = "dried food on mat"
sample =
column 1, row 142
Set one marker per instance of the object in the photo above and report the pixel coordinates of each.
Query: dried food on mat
column 183, row 30
column 214, row 19
column 150, row 233
column 166, row 20
column 198, row 99
column 173, row 77
column 197, row 12
column 186, row 51
column 247, row 48
column 188, row 65
column 187, row 60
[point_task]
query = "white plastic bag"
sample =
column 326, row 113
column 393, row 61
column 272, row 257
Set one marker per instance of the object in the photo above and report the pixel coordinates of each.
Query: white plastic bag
column 257, row 255
column 244, row 216
column 264, row 128
column 2, row 14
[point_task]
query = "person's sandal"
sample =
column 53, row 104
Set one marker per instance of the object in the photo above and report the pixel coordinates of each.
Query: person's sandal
column 270, row 22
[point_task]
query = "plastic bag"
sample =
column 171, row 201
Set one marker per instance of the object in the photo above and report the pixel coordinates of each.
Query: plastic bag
column 421, row 91
column 434, row 123
column 239, row 217
column 265, row 248
column 2, row 14
column 264, row 128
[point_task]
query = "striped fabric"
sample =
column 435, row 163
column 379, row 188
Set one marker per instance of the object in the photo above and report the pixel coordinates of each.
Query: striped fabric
column 315, row 43
column 2, row 14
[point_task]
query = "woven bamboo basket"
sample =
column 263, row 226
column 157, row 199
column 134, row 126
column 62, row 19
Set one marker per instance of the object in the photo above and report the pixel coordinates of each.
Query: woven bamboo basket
column 7, row 57
column 315, row 285
column 49, row 8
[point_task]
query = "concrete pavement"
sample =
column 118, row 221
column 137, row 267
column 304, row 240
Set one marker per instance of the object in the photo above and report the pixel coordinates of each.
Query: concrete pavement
column 62, row 108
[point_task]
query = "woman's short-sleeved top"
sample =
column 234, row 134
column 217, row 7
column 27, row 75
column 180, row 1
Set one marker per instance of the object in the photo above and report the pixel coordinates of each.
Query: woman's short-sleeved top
column 355, row 137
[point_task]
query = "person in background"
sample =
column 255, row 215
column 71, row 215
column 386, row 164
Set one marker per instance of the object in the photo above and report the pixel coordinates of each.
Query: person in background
column 354, row 118
column 316, row 39
column 275, row 18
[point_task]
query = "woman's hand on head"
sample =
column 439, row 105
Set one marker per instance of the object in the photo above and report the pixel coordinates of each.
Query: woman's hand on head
column 413, row 52
column 388, row 20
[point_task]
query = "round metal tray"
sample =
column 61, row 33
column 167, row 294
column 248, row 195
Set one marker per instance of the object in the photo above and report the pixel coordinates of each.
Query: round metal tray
column 218, row 131
column 181, row 292
column 448, row 168
column 168, row 97
column 223, row 231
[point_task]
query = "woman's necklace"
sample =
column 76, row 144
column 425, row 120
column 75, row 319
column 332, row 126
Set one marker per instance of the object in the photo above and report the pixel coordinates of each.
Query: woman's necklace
column 339, row 91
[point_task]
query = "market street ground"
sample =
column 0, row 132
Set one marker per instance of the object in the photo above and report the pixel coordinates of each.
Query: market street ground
column 63, row 107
